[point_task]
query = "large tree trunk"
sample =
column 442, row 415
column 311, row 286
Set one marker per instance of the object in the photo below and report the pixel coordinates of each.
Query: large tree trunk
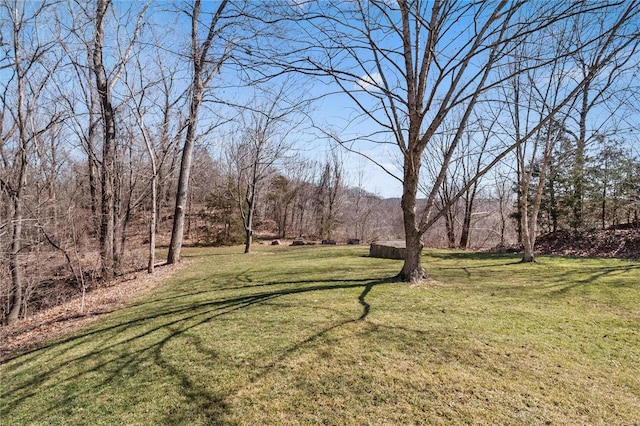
column 92, row 158
column 247, row 241
column 412, row 270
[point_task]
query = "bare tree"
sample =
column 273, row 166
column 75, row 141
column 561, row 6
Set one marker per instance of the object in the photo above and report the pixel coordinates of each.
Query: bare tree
column 169, row 131
column 105, row 83
column 327, row 200
column 151, row 102
column 535, row 92
column 107, row 213
column 473, row 152
column 503, row 192
column 262, row 143
column 82, row 101
column 362, row 207
column 206, row 63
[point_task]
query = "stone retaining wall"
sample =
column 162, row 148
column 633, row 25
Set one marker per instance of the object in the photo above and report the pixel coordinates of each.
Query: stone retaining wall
column 388, row 249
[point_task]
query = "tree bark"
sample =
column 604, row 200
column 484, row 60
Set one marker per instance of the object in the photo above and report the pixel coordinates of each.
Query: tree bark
column 107, row 212
column 92, row 160
column 579, row 161
column 412, row 270
column 16, row 238
column 20, row 183
column 247, row 218
column 200, row 54
column 466, row 221
column 528, row 255
column 153, row 220
column 177, row 231
column 248, row 240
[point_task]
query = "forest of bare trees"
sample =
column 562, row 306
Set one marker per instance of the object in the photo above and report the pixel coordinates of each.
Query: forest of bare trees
column 129, row 129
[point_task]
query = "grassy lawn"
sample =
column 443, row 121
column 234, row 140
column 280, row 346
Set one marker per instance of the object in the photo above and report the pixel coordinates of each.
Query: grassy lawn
column 313, row 335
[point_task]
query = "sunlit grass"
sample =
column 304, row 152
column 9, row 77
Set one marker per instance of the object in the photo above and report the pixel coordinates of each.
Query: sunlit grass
column 308, row 335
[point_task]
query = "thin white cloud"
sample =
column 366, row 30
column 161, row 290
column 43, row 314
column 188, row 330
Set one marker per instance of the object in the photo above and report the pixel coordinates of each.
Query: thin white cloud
column 370, row 82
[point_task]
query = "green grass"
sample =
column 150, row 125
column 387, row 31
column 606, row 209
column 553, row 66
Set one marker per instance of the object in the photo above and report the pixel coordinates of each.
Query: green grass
column 313, row 335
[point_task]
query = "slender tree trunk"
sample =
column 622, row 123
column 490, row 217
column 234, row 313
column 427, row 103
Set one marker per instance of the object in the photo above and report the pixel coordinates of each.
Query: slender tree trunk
column 92, row 168
column 465, row 234
column 448, row 211
column 449, row 222
column 153, row 221
column 200, row 54
column 301, row 210
column 248, row 217
column 578, row 167
column 527, row 243
column 532, row 221
column 466, row 228
column 553, row 205
column 531, row 210
column 123, row 236
column 16, row 243
column 283, row 228
column 177, row 232
column 604, row 207
column 503, row 223
column 21, row 181
column 107, row 212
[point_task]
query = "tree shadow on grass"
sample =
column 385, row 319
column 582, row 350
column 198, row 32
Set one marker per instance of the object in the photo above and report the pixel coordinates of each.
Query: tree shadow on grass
column 139, row 336
column 498, row 260
column 567, row 281
column 557, row 283
column 467, row 269
column 470, row 255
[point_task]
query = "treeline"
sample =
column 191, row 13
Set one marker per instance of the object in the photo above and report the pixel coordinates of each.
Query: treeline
column 603, row 193
column 311, row 201
column 580, row 193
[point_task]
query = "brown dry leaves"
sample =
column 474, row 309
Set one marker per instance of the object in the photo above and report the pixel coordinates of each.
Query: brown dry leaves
column 63, row 319
column 621, row 244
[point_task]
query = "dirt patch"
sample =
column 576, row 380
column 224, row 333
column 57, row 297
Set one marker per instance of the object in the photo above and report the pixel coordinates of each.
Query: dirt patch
column 55, row 322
